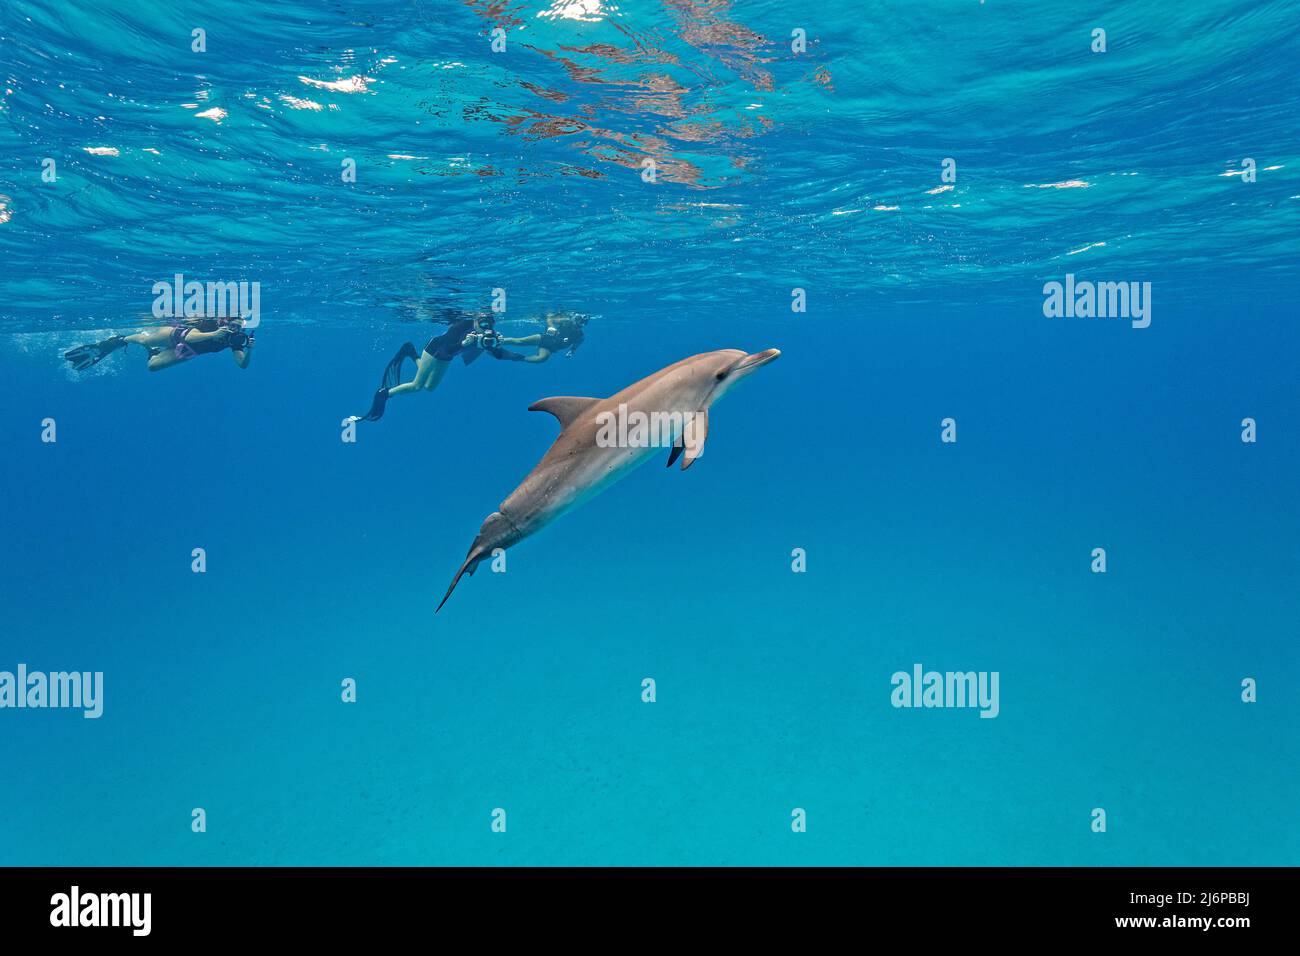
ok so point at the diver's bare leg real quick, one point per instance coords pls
(164, 359)
(428, 373)
(151, 338)
(435, 375)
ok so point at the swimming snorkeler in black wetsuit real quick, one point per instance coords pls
(562, 332)
(466, 338)
(170, 345)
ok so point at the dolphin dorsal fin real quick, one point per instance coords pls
(564, 407)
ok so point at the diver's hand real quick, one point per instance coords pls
(471, 339)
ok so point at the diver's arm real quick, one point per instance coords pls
(245, 355)
(507, 356)
(197, 336)
(537, 339)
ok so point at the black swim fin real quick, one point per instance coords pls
(84, 356)
(392, 378)
(376, 406)
(393, 371)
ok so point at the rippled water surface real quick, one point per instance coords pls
(523, 168)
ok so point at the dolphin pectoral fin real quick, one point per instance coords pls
(675, 453)
(699, 429)
(564, 407)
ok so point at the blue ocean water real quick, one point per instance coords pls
(821, 170)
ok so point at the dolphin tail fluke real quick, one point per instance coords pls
(497, 531)
(471, 562)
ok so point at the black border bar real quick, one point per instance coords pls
(207, 904)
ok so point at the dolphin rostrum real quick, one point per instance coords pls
(602, 439)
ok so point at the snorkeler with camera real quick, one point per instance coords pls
(562, 332)
(468, 338)
(170, 345)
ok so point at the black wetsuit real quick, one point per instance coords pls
(184, 349)
(447, 346)
(236, 340)
(553, 340)
(208, 346)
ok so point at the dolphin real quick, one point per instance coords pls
(600, 442)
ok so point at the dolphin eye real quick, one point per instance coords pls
(721, 375)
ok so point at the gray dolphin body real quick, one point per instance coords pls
(584, 461)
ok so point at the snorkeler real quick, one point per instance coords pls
(466, 338)
(171, 345)
(562, 332)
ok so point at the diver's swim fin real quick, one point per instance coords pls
(376, 407)
(391, 379)
(84, 356)
(393, 370)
